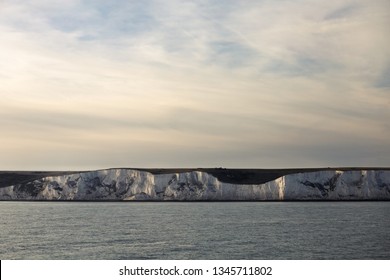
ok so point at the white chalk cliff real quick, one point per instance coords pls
(126, 184)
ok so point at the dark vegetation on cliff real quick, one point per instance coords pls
(8, 178)
(227, 175)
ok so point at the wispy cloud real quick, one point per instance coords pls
(194, 83)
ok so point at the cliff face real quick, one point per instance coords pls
(125, 184)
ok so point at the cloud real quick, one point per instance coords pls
(341, 12)
(383, 80)
(254, 83)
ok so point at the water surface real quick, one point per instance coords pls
(172, 230)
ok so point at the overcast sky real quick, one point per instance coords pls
(96, 84)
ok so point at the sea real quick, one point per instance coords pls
(194, 230)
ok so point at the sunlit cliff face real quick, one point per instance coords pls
(127, 184)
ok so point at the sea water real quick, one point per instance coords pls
(195, 230)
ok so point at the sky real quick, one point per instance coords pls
(246, 84)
